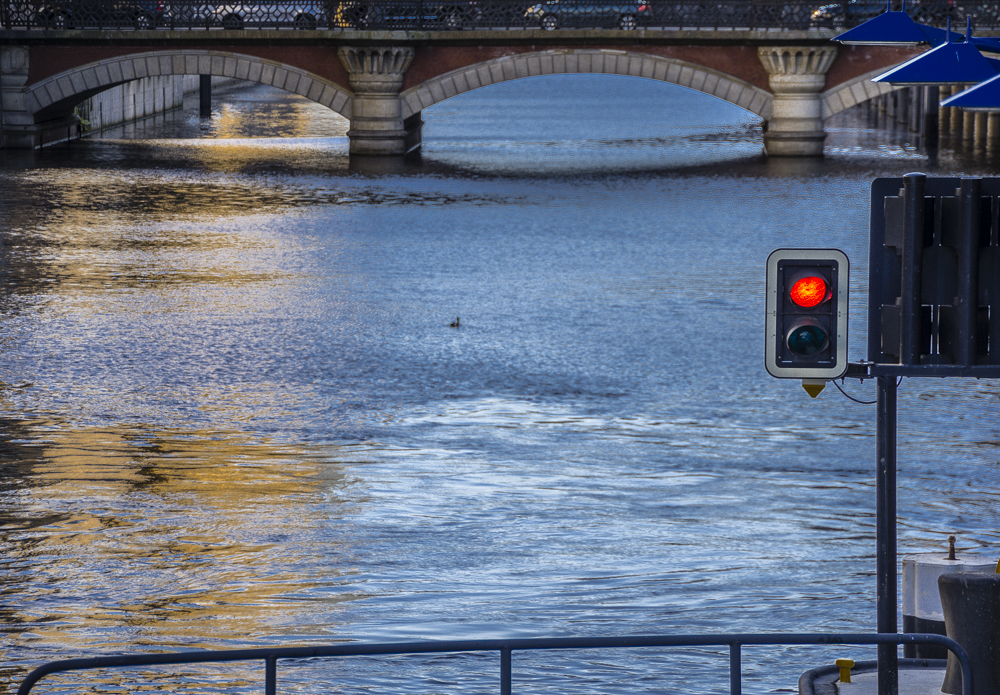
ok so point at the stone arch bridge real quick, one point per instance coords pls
(381, 80)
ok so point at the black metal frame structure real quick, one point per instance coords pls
(270, 656)
(934, 285)
(933, 311)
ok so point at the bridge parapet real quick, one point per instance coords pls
(462, 15)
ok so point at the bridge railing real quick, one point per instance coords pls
(271, 656)
(458, 15)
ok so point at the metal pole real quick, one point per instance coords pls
(911, 310)
(271, 675)
(967, 310)
(885, 534)
(505, 671)
(735, 669)
(205, 96)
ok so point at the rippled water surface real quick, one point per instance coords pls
(235, 413)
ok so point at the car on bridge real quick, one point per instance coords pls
(263, 15)
(553, 14)
(94, 14)
(408, 14)
(854, 12)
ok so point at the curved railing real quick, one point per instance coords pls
(270, 656)
(457, 15)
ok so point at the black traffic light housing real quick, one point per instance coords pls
(806, 331)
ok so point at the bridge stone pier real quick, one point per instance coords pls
(377, 124)
(381, 81)
(797, 75)
(19, 127)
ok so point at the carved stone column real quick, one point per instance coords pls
(797, 75)
(376, 76)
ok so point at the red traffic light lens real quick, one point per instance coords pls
(809, 291)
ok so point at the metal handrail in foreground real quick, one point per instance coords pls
(735, 642)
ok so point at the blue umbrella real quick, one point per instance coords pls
(948, 63)
(983, 97)
(891, 28)
(898, 29)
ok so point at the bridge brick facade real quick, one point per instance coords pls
(381, 81)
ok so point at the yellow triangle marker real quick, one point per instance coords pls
(814, 387)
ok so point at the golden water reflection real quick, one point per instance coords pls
(75, 195)
(171, 538)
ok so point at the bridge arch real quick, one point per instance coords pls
(56, 96)
(602, 61)
(853, 92)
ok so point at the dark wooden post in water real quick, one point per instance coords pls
(205, 96)
(903, 107)
(916, 106)
(930, 123)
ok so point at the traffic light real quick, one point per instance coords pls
(807, 315)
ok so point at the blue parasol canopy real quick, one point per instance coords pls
(948, 63)
(890, 28)
(983, 97)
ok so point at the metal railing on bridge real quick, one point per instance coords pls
(457, 15)
(271, 656)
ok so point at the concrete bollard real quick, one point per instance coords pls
(971, 603)
(922, 598)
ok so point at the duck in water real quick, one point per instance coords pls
(456, 323)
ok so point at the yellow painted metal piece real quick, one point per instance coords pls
(998, 566)
(814, 387)
(845, 666)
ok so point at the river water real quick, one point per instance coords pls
(235, 413)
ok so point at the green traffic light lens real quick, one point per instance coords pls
(807, 340)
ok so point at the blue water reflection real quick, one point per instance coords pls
(235, 412)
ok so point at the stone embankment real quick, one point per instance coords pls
(138, 99)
